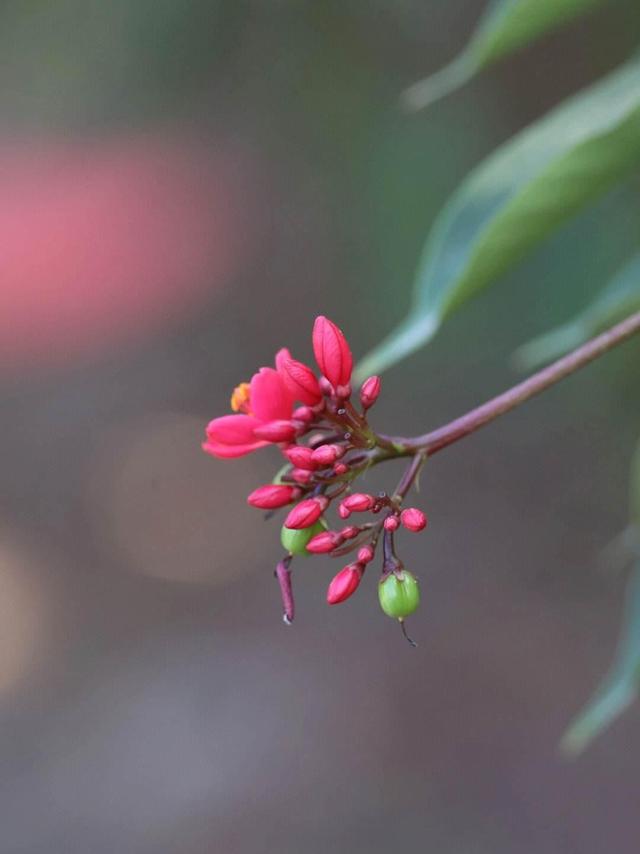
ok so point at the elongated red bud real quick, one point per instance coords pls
(350, 532)
(366, 554)
(344, 584)
(326, 455)
(370, 391)
(358, 502)
(273, 495)
(275, 431)
(302, 476)
(391, 523)
(343, 512)
(413, 519)
(301, 457)
(306, 513)
(325, 542)
(300, 381)
(332, 352)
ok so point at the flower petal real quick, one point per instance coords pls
(228, 452)
(232, 430)
(282, 354)
(270, 399)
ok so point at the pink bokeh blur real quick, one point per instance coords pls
(108, 240)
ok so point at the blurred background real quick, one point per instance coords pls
(185, 185)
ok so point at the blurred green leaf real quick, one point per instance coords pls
(506, 26)
(635, 490)
(524, 191)
(620, 686)
(618, 299)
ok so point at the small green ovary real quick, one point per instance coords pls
(399, 594)
(295, 542)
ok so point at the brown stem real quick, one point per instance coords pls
(436, 440)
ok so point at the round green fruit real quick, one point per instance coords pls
(399, 594)
(295, 542)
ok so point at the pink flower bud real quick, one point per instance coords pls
(413, 519)
(358, 502)
(343, 391)
(325, 542)
(326, 455)
(332, 352)
(343, 512)
(340, 468)
(350, 532)
(273, 495)
(325, 386)
(391, 523)
(304, 414)
(366, 554)
(301, 457)
(370, 391)
(299, 380)
(302, 476)
(306, 513)
(344, 584)
(275, 431)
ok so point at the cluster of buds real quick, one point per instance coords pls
(326, 442)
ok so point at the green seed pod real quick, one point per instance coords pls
(399, 594)
(295, 542)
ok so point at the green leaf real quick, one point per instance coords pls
(620, 686)
(524, 191)
(618, 299)
(506, 26)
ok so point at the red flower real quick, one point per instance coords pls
(266, 399)
(332, 352)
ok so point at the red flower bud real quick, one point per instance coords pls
(350, 532)
(343, 512)
(332, 352)
(275, 431)
(370, 391)
(299, 380)
(306, 513)
(413, 519)
(325, 542)
(326, 455)
(358, 502)
(391, 523)
(344, 584)
(302, 476)
(366, 554)
(340, 468)
(273, 495)
(301, 457)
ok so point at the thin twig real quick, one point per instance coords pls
(436, 440)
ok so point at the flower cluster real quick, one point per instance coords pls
(326, 442)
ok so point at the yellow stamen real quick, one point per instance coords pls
(240, 399)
